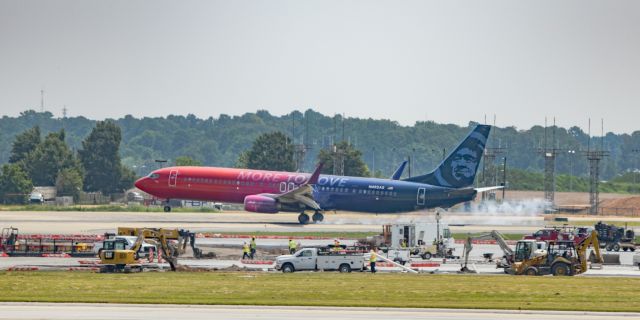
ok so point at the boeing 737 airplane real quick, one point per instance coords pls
(272, 191)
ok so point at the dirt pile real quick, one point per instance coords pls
(628, 202)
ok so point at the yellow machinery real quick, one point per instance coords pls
(115, 256)
(505, 262)
(563, 258)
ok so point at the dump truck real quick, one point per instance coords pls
(346, 259)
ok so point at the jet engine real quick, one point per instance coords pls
(260, 204)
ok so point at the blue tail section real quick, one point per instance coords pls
(396, 175)
(459, 169)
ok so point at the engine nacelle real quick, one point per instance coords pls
(260, 204)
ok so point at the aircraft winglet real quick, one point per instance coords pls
(398, 173)
(316, 174)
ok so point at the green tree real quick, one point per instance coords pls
(185, 161)
(352, 157)
(48, 159)
(127, 178)
(24, 144)
(100, 158)
(15, 185)
(270, 151)
(69, 183)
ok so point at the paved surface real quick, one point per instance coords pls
(99, 222)
(123, 312)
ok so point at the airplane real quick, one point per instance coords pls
(272, 191)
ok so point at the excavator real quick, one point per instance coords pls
(493, 235)
(115, 257)
(563, 258)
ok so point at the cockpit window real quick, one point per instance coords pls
(154, 176)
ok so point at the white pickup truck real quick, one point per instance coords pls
(321, 259)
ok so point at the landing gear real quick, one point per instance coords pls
(318, 217)
(167, 209)
(303, 218)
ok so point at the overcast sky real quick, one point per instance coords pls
(447, 61)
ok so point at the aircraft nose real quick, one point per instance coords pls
(140, 183)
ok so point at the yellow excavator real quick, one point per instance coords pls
(563, 258)
(116, 257)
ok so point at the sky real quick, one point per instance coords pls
(408, 61)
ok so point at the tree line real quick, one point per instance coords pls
(383, 144)
(35, 160)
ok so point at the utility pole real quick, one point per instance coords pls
(504, 176)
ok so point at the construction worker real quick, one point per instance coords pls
(253, 247)
(372, 259)
(292, 246)
(403, 243)
(245, 251)
(336, 245)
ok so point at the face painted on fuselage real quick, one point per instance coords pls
(463, 164)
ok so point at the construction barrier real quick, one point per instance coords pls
(424, 264)
(89, 262)
(56, 255)
(247, 236)
(23, 269)
(83, 269)
(257, 261)
(463, 241)
(611, 259)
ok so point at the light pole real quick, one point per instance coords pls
(504, 176)
(635, 170)
(374, 161)
(571, 153)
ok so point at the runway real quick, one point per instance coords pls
(67, 311)
(85, 222)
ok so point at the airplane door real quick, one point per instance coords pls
(173, 178)
(421, 196)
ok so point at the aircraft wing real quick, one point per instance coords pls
(304, 193)
(485, 189)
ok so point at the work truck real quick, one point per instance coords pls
(343, 259)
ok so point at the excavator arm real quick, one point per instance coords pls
(493, 235)
(581, 249)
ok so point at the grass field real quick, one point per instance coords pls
(327, 289)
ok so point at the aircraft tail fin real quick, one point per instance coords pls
(459, 169)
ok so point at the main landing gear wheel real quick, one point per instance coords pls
(303, 218)
(167, 209)
(318, 217)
